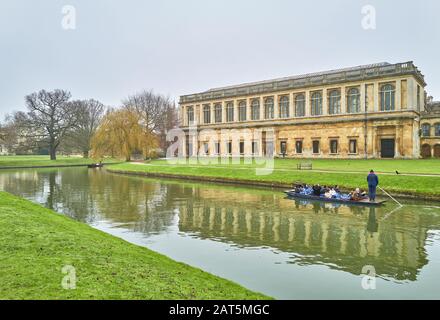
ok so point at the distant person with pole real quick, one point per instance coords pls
(373, 182)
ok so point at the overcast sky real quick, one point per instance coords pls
(181, 47)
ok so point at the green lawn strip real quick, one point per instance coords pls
(42, 161)
(415, 185)
(420, 166)
(36, 243)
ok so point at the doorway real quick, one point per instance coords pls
(387, 148)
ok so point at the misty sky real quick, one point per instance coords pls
(181, 47)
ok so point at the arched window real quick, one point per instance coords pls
(284, 107)
(268, 108)
(387, 97)
(437, 129)
(334, 102)
(206, 113)
(242, 111)
(255, 109)
(190, 115)
(218, 112)
(229, 112)
(316, 104)
(353, 101)
(300, 106)
(426, 130)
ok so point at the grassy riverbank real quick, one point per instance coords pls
(36, 243)
(419, 178)
(44, 161)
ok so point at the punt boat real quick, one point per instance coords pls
(363, 202)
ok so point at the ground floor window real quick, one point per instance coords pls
(333, 146)
(299, 146)
(254, 147)
(283, 147)
(205, 148)
(217, 148)
(315, 145)
(241, 147)
(353, 146)
(229, 147)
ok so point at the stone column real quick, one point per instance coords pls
(376, 97)
(398, 95)
(324, 102)
(200, 115)
(291, 106)
(276, 113)
(212, 108)
(235, 111)
(223, 111)
(261, 108)
(343, 100)
(362, 97)
(307, 104)
(248, 109)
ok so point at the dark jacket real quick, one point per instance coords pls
(373, 180)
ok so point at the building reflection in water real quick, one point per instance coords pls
(341, 237)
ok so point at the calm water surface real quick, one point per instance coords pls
(284, 248)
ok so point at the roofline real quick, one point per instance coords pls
(364, 72)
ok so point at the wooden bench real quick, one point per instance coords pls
(304, 166)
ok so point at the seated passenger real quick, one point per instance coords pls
(317, 190)
(356, 195)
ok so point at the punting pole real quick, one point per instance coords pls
(390, 196)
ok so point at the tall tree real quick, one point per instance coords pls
(49, 118)
(157, 113)
(90, 113)
(121, 134)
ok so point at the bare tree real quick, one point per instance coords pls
(90, 113)
(157, 112)
(49, 118)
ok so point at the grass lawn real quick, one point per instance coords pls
(33, 161)
(36, 243)
(351, 173)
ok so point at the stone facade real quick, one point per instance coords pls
(368, 111)
(430, 130)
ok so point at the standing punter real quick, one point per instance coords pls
(373, 181)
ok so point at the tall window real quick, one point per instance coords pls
(316, 104)
(283, 147)
(352, 146)
(437, 129)
(207, 113)
(255, 109)
(218, 112)
(190, 115)
(229, 112)
(300, 106)
(387, 98)
(426, 130)
(315, 144)
(254, 147)
(353, 101)
(334, 102)
(284, 107)
(242, 111)
(241, 147)
(268, 108)
(299, 146)
(334, 146)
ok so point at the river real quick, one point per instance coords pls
(255, 237)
